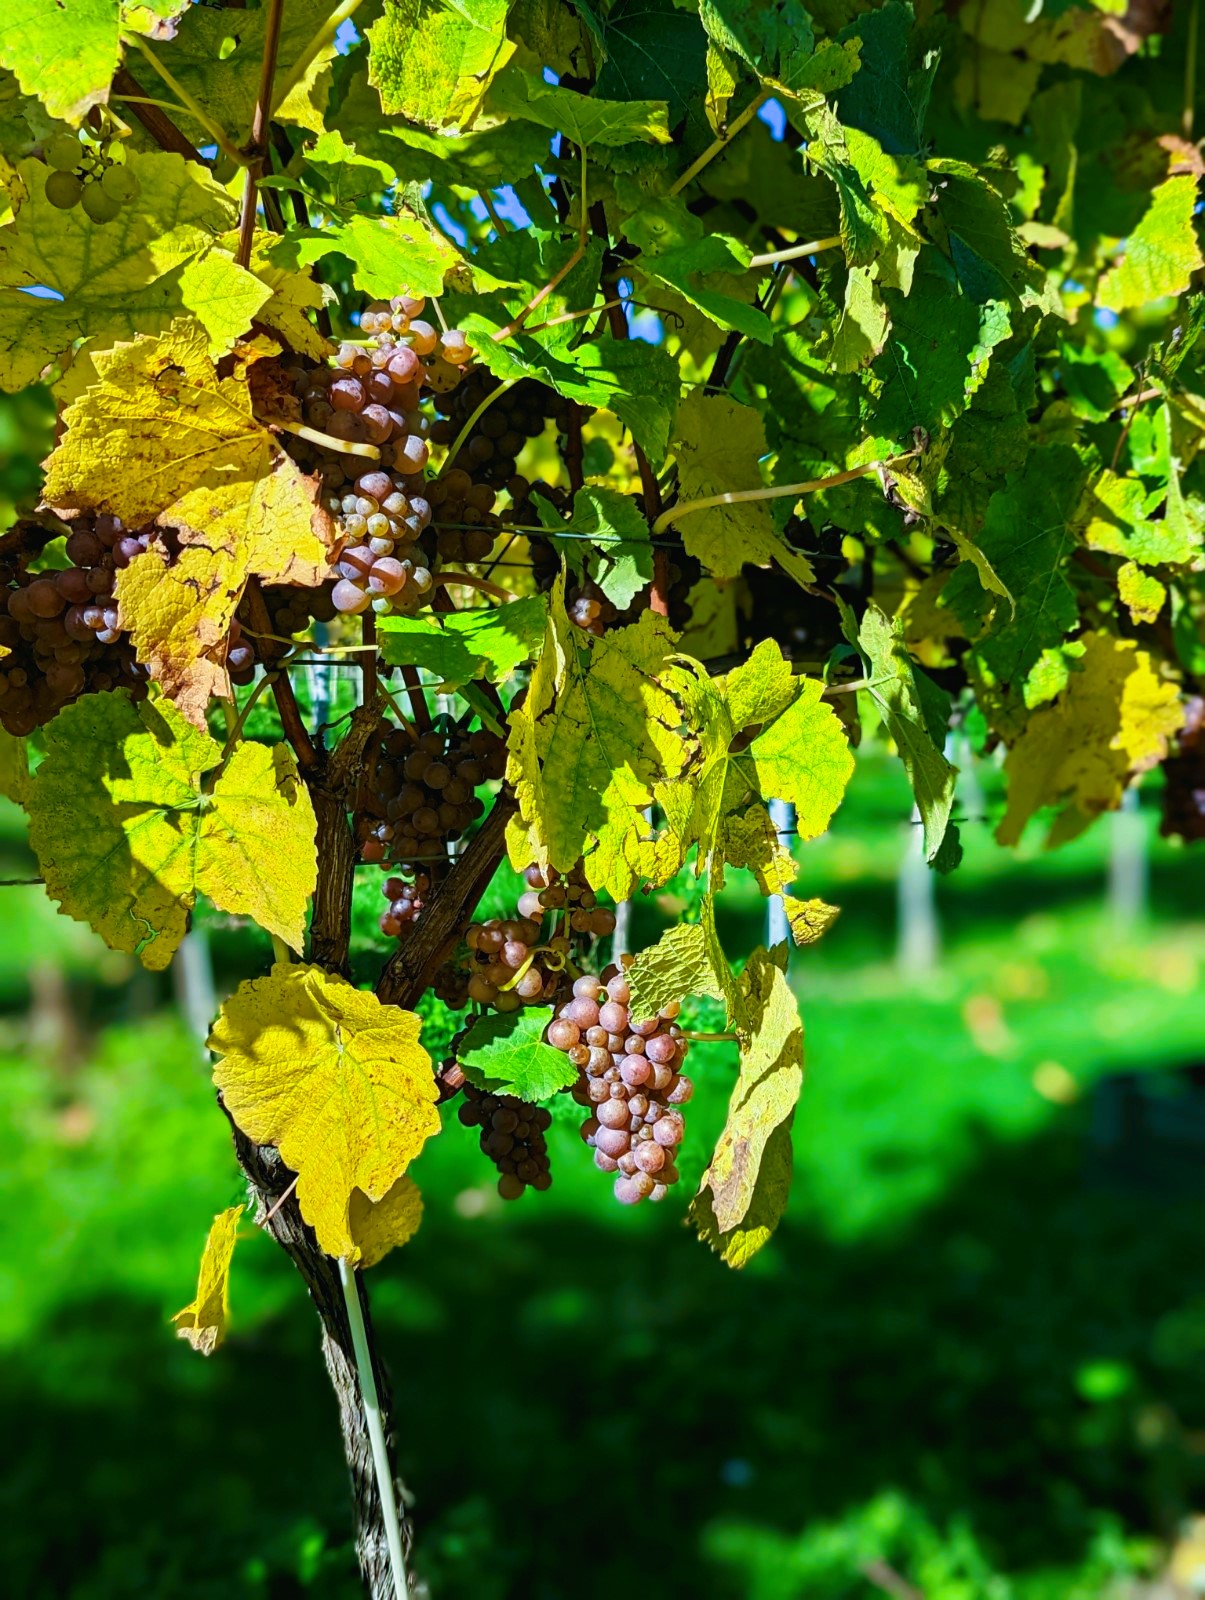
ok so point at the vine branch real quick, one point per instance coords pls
(257, 144)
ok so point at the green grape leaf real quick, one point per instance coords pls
(684, 268)
(636, 381)
(127, 833)
(597, 731)
(794, 749)
(63, 51)
(925, 381)
(433, 60)
(905, 700)
(1112, 721)
(388, 253)
(217, 58)
(1027, 540)
(1161, 254)
(506, 1054)
(1115, 515)
(884, 98)
(587, 120)
(460, 646)
(719, 444)
(654, 51)
(15, 776)
(624, 560)
(681, 963)
(160, 258)
(743, 1193)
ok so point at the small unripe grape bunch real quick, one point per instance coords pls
(512, 1136)
(571, 900)
(631, 1082)
(83, 173)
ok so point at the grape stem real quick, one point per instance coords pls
(470, 581)
(491, 211)
(165, 133)
(368, 666)
(458, 442)
(281, 1201)
(347, 447)
(540, 296)
(709, 1038)
(257, 143)
(187, 103)
(320, 40)
(795, 251)
(376, 1429)
(687, 508)
(718, 146)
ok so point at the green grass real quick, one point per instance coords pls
(963, 1354)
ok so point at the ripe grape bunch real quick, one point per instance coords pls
(512, 1136)
(420, 795)
(631, 1080)
(290, 612)
(61, 628)
(372, 395)
(83, 173)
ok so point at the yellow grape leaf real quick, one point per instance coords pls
(744, 1190)
(159, 259)
(597, 731)
(680, 963)
(338, 1083)
(160, 433)
(377, 1227)
(1141, 592)
(809, 920)
(291, 296)
(127, 833)
(1112, 721)
(203, 1321)
(718, 445)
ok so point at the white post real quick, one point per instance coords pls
(1129, 873)
(778, 930)
(919, 940)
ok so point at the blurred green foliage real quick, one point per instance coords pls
(965, 1360)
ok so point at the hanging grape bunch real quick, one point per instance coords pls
(490, 452)
(631, 1081)
(417, 801)
(291, 610)
(512, 1136)
(62, 629)
(372, 396)
(84, 173)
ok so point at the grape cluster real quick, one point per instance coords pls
(373, 395)
(512, 1136)
(83, 173)
(406, 898)
(509, 968)
(490, 452)
(290, 612)
(420, 793)
(465, 522)
(62, 630)
(631, 1081)
(568, 896)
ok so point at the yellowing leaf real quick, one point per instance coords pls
(1111, 722)
(744, 1190)
(679, 964)
(1142, 593)
(434, 60)
(127, 835)
(159, 259)
(809, 920)
(63, 51)
(1160, 255)
(719, 444)
(161, 433)
(203, 1321)
(337, 1082)
(15, 776)
(377, 1227)
(598, 729)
